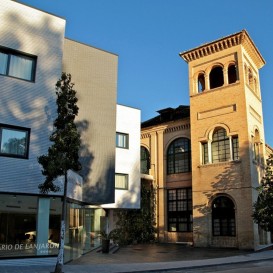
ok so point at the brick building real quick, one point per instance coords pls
(206, 160)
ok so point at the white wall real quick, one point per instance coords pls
(128, 160)
(29, 104)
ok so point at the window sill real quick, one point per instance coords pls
(233, 162)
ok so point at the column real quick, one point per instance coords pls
(42, 226)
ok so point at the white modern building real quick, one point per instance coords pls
(33, 54)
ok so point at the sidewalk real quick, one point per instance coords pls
(143, 258)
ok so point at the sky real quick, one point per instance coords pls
(148, 36)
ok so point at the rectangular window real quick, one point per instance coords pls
(17, 65)
(14, 141)
(122, 140)
(180, 210)
(121, 181)
(235, 148)
(205, 156)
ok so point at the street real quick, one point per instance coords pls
(251, 267)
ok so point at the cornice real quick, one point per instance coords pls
(240, 38)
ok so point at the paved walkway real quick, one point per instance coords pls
(148, 258)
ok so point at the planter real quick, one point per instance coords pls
(105, 245)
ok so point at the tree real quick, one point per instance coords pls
(137, 225)
(63, 154)
(263, 207)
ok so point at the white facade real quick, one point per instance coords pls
(29, 104)
(128, 159)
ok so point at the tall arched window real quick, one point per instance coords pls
(201, 82)
(145, 160)
(220, 146)
(223, 217)
(216, 77)
(257, 142)
(232, 74)
(179, 156)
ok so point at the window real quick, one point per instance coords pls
(216, 77)
(232, 74)
(17, 65)
(14, 141)
(122, 140)
(201, 83)
(179, 156)
(145, 160)
(221, 148)
(180, 210)
(205, 155)
(121, 181)
(223, 217)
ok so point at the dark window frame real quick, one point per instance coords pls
(223, 217)
(179, 209)
(127, 181)
(126, 146)
(144, 160)
(15, 128)
(179, 162)
(11, 52)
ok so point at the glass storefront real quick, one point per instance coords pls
(30, 226)
(20, 234)
(82, 230)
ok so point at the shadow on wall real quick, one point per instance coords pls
(30, 104)
(230, 180)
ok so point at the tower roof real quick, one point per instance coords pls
(239, 38)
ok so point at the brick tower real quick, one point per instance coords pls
(227, 139)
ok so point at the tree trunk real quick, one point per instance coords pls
(60, 259)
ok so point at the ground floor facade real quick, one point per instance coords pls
(30, 226)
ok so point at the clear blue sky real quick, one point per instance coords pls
(149, 34)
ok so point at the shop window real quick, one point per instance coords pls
(223, 217)
(145, 160)
(179, 156)
(201, 82)
(180, 210)
(14, 141)
(17, 65)
(232, 74)
(216, 77)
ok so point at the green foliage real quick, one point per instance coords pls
(263, 207)
(137, 225)
(63, 154)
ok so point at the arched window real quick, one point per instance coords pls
(201, 82)
(179, 156)
(218, 149)
(216, 77)
(232, 74)
(220, 146)
(145, 160)
(257, 142)
(250, 79)
(223, 217)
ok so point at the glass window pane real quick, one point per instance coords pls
(121, 181)
(122, 140)
(3, 63)
(13, 142)
(178, 160)
(21, 67)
